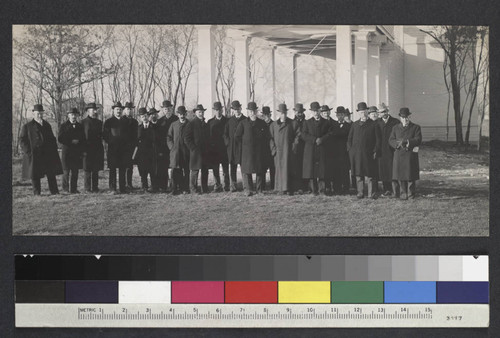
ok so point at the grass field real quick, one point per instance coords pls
(452, 200)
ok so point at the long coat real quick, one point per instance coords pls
(196, 137)
(232, 144)
(216, 148)
(363, 143)
(340, 132)
(298, 149)
(133, 126)
(71, 156)
(283, 136)
(147, 149)
(329, 158)
(405, 166)
(116, 133)
(254, 137)
(387, 152)
(179, 152)
(163, 125)
(268, 157)
(93, 158)
(314, 165)
(40, 156)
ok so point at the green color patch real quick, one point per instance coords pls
(358, 292)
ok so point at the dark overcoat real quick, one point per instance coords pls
(298, 149)
(363, 143)
(254, 138)
(116, 133)
(163, 125)
(405, 165)
(133, 126)
(340, 132)
(387, 152)
(179, 152)
(147, 149)
(40, 156)
(283, 136)
(196, 137)
(216, 148)
(233, 146)
(329, 158)
(71, 155)
(314, 165)
(93, 158)
(268, 157)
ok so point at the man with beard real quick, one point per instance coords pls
(300, 184)
(232, 144)
(179, 153)
(93, 157)
(147, 150)
(341, 127)
(385, 161)
(363, 144)
(268, 158)
(127, 115)
(72, 138)
(164, 123)
(217, 152)
(196, 138)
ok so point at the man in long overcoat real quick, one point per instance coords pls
(233, 146)
(340, 132)
(253, 134)
(284, 133)
(164, 122)
(315, 133)
(40, 156)
(93, 157)
(179, 153)
(268, 158)
(196, 138)
(363, 144)
(329, 144)
(385, 161)
(116, 133)
(147, 150)
(405, 138)
(300, 184)
(128, 116)
(72, 138)
(217, 152)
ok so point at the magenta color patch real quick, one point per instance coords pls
(197, 292)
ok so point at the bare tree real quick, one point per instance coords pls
(224, 67)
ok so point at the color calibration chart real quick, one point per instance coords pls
(251, 291)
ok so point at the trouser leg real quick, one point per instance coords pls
(395, 188)
(95, 181)
(372, 186)
(51, 179)
(155, 181)
(144, 181)
(225, 171)
(272, 178)
(112, 178)
(74, 180)
(322, 186)
(128, 176)
(387, 186)
(233, 168)
(215, 172)
(87, 178)
(360, 182)
(403, 189)
(313, 185)
(176, 175)
(65, 180)
(411, 189)
(204, 179)
(121, 179)
(37, 186)
(247, 182)
(260, 178)
(193, 182)
(185, 178)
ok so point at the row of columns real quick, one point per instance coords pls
(366, 85)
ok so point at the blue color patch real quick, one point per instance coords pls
(92, 292)
(410, 292)
(463, 292)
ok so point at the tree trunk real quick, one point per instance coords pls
(456, 99)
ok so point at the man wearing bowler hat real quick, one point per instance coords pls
(196, 138)
(179, 153)
(363, 144)
(147, 150)
(386, 122)
(93, 157)
(164, 123)
(232, 144)
(40, 156)
(72, 138)
(127, 115)
(268, 158)
(216, 148)
(300, 184)
(405, 138)
(329, 158)
(341, 127)
(253, 134)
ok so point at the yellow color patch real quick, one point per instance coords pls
(304, 292)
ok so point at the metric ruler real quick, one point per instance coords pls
(252, 315)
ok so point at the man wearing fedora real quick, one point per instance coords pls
(116, 133)
(72, 138)
(127, 115)
(329, 158)
(93, 157)
(315, 134)
(341, 128)
(405, 138)
(284, 133)
(196, 138)
(386, 122)
(300, 184)
(217, 152)
(232, 144)
(363, 145)
(164, 123)
(40, 156)
(147, 150)
(253, 134)
(268, 158)
(179, 153)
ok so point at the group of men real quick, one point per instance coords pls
(319, 155)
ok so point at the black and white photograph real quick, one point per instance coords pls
(250, 130)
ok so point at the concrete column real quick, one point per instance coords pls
(273, 69)
(384, 77)
(206, 65)
(241, 69)
(343, 53)
(373, 74)
(361, 70)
